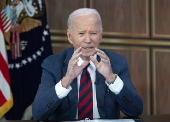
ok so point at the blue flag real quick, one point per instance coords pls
(34, 45)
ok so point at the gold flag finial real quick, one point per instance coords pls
(2, 4)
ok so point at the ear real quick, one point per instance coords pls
(69, 36)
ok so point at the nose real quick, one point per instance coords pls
(87, 38)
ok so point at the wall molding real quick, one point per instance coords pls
(141, 42)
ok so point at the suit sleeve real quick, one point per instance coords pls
(129, 101)
(46, 100)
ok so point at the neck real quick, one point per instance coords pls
(85, 58)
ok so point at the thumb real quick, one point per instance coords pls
(84, 64)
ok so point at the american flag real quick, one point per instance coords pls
(6, 100)
(7, 16)
(9, 19)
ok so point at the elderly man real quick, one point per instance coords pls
(84, 81)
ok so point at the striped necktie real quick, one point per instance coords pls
(85, 106)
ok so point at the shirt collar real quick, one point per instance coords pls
(79, 63)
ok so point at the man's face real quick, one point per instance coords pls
(86, 33)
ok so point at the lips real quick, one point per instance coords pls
(87, 48)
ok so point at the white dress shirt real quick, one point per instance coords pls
(116, 87)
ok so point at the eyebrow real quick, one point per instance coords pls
(90, 31)
(80, 31)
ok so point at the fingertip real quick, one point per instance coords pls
(91, 57)
(98, 53)
(78, 50)
(87, 62)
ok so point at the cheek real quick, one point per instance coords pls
(97, 41)
(98, 37)
(79, 41)
(76, 44)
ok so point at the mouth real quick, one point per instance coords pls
(87, 48)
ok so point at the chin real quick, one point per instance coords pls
(88, 54)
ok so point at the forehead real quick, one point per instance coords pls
(84, 21)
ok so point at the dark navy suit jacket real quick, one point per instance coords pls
(47, 105)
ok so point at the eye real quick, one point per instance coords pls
(93, 33)
(81, 34)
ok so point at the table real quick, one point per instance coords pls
(150, 118)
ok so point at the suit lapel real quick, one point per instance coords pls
(68, 56)
(73, 94)
(100, 92)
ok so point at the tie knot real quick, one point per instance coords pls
(85, 68)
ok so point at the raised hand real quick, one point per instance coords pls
(104, 66)
(73, 69)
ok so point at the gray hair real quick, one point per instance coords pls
(80, 12)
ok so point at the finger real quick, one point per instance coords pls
(76, 53)
(84, 64)
(77, 50)
(100, 51)
(107, 62)
(76, 56)
(93, 59)
(74, 62)
(102, 56)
